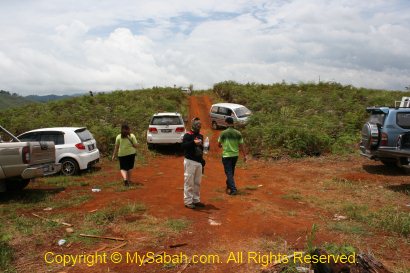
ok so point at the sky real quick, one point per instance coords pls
(66, 47)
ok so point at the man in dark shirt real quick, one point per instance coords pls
(192, 144)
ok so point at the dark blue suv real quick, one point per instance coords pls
(385, 135)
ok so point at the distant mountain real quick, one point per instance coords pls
(47, 98)
(8, 100)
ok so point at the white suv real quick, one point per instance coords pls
(76, 148)
(165, 128)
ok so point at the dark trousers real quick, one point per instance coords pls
(229, 167)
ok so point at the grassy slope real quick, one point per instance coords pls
(102, 114)
(304, 119)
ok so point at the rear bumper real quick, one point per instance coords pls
(40, 171)
(159, 140)
(87, 159)
(384, 152)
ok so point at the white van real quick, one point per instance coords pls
(220, 111)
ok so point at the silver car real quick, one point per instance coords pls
(220, 111)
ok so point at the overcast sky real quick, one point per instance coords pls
(63, 47)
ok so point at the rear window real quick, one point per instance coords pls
(403, 120)
(377, 118)
(166, 120)
(84, 134)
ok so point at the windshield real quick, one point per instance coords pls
(242, 112)
(166, 120)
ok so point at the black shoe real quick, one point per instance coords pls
(199, 205)
(126, 183)
(233, 193)
(190, 206)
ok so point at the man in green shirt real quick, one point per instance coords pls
(231, 142)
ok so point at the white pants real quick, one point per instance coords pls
(192, 181)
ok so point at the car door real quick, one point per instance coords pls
(223, 113)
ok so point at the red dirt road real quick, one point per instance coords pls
(259, 219)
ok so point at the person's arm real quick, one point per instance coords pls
(187, 141)
(115, 153)
(134, 141)
(243, 151)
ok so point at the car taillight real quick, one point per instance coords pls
(26, 155)
(179, 130)
(383, 139)
(153, 130)
(80, 146)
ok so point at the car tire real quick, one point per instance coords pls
(16, 184)
(69, 166)
(215, 125)
(371, 136)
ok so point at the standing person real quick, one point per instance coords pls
(125, 149)
(192, 144)
(231, 142)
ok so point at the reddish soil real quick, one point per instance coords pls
(257, 216)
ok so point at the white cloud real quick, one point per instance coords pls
(55, 46)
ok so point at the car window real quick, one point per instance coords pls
(166, 120)
(223, 111)
(377, 118)
(214, 109)
(28, 137)
(242, 112)
(57, 138)
(403, 120)
(84, 134)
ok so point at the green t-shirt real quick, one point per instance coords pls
(125, 146)
(230, 140)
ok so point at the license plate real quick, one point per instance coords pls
(91, 147)
(166, 130)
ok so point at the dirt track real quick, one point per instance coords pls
(251, 221)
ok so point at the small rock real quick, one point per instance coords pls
(69, 230)
(61, 242)
(48, 209)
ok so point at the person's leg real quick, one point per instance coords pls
(233, 164)
(227, 162)
(197, 184)
(188, 183)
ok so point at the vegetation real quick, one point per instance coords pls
(102, 114)
(8, 100)
(304, 119)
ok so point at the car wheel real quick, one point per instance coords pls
(370, 136)
(69, 166)
(16, 184)
(215, 125)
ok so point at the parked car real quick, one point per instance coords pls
(22, 161)
(220, 111)
(76, 148)
(165, 128)
(385, 134)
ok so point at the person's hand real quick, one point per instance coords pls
(198, 141)
(113, 157)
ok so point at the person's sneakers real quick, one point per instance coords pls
(190, 206)
(233, 193)
(199, 205)
(126, 183)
